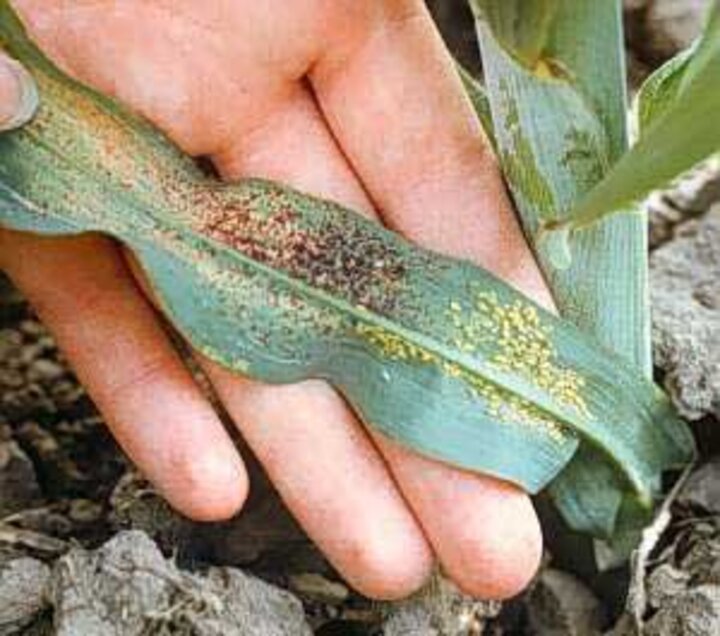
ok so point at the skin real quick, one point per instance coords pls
(354, 101)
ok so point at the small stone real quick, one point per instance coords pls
(127, 587)
(666, 583)
(10, 341)
(440, 609)
(561, 605)
(410, 621)
(690, 197)
(45, 370)
(702, 489)
(670, 26)
(46, 520)
(84, 511)
(32, 328)
(686, 332)
(43, 443)
(23, 593)
(634, 5)
(702, 558)
(693, 613)
(19, 488)
(11, 379)
(316, 587)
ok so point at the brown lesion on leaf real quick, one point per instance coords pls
(332, 253)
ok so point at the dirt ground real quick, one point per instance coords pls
(88, 548)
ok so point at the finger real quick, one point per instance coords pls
(433, 176)
(315, 451)
(332, 479)
(18, 94)
(83, 292)
(485, 531)
(435, 180)
(293, 146)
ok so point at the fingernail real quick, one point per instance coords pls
(21, 92)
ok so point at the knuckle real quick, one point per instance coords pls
(402, 14)
(92, 303)
(350, 26)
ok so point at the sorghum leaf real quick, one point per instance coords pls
(434, 352)
(686, 133)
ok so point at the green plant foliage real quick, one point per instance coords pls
(660, 90)
(281, 286)
(523, 28)
(679, 109)
(479, 99)
(560, 124)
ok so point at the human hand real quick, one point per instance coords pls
(357, 102)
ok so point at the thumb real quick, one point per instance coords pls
(18, 94)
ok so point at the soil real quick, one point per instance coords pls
(88, 548)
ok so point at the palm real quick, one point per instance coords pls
(354, 101)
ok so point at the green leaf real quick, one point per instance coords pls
(661, 90)
(684, 134)
(522, 27)
(558, 132)
(479, 99)
(281, 286)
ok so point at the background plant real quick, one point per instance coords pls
(555, 79)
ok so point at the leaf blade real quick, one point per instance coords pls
(481, 377)
(683, 136)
